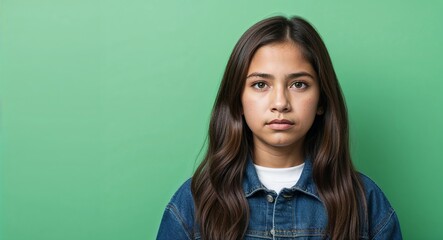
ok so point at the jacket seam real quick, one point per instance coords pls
(174, 211)
(384, 224)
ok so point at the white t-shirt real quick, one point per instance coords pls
(278, 178)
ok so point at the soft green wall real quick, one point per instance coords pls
(104, 105)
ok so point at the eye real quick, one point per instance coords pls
(299, 85)
(259, 85)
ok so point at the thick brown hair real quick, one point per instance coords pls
(221, 207)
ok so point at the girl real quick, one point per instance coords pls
(278, 164)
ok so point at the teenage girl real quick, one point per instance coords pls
(278, 164)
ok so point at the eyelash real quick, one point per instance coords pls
(305, 85)
(255, 85)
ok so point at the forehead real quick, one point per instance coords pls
(284, 56)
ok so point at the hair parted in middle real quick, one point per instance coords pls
(221, 207)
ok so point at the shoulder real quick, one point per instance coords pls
(178, 217)
(182, 202)
(374, 195)
(382, 219)
(183, 193)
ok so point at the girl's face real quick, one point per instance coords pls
(281, 95)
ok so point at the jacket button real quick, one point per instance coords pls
(269, 198)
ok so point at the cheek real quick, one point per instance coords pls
(252, 112)
(310, 107)
(251, 105)
(313, 104)
(249, 108)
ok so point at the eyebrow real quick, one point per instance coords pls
(289, 76)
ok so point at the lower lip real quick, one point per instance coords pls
(280, 126)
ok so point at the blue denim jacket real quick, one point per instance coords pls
(295, 213)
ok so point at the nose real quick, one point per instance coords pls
(280, 100)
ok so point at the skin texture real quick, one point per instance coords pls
(280, 84)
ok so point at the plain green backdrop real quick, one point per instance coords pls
(104, 105)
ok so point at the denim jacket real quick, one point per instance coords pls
(295, 213)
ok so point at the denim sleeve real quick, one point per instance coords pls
(390, 229)
(383, 221)
(178, 219)
(172, 226)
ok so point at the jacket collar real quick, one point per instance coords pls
(251, 183)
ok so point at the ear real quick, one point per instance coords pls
(320, 111)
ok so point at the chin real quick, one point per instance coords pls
(282, 143)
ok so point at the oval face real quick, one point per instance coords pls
(280, 99)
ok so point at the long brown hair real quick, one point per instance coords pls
(221, 207)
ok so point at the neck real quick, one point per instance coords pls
(278, 157)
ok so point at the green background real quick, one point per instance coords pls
(104, 105)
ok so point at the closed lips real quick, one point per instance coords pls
(281, 121)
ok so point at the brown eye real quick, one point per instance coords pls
(259, 85)
(299, 85)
